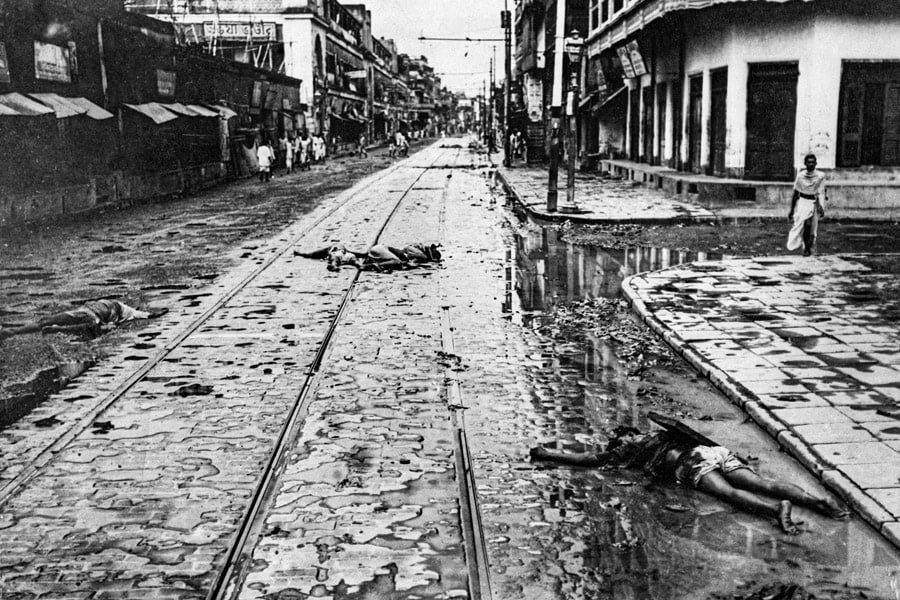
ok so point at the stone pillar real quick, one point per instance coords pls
(736, 117)
(706, 110)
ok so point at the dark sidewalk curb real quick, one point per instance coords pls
(835, 481)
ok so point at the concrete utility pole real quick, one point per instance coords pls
(506, 21)
(556, 104)
(491, 145)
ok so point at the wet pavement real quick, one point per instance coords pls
(406, 474)
(599, 199)
(809, 348)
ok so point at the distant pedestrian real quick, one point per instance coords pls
(289, 150)
(318, 148)
(807, 207)
(283, 142)
(392, 146)
(265, 157)
(361, 146)
(402, 144)
(304, 147)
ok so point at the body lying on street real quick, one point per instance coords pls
(92, 317)
(379, 257)
(670, 454)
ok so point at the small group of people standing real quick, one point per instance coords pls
(297, 151)
(517, 148)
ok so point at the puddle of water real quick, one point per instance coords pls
(550, 271)
(579, 390)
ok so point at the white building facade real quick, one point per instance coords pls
(745, 89)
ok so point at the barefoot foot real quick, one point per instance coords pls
(784, 519)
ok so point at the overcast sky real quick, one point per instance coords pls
(462, 66)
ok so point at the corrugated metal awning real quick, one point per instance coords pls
(154, 111)
(23, 106)
(91, 110)
(61, 106)
(609, 98)
(202, 111)
(179, 109)
(224, 111)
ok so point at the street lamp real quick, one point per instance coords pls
(574, 44)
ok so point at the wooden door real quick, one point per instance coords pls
(647, 125)
(662, 135)
(635, 124)
(717, 121)
(677, 125)
(771, 121)
(695, 123)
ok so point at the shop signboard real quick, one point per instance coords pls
(534, 93)
(256, 96)
(637, 61)
(355, 74)
(626, 62)
(165, 83)
(225, 30)
(601, 78)
(4, 65)
(51, 63)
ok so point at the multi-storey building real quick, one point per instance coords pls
(424, 88)
(344, 71)
(743, 90)
(535, 35)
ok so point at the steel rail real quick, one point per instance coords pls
(53, 449)
(230, 577)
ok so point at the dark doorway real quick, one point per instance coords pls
(677, 125)
(634, 125)
(771, 118)
(662, 141)
(717, 122)
(695, 123)
(647, 125)
(869, 131)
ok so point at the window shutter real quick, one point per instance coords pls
(890, 151)
(852, 125)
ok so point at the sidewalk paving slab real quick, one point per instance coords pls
(599, 200)
(808, 371)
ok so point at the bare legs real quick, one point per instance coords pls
(747, 490)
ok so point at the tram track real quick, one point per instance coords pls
(226, 583)
(45, 456)
(230, 557)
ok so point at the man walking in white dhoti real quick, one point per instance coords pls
(807, 207)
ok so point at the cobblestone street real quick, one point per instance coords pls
(293, 432)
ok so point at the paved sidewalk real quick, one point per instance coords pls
(809, 348)
(599, 200)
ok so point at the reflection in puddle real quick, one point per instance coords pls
(549, 271)
(619, 534)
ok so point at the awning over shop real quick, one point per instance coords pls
(223, 111)
(23, 106)
(91, 110)
(61, 106)
(587, 99)
(153, 111)
(611, 97)
(202, 111)
(179, 109)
